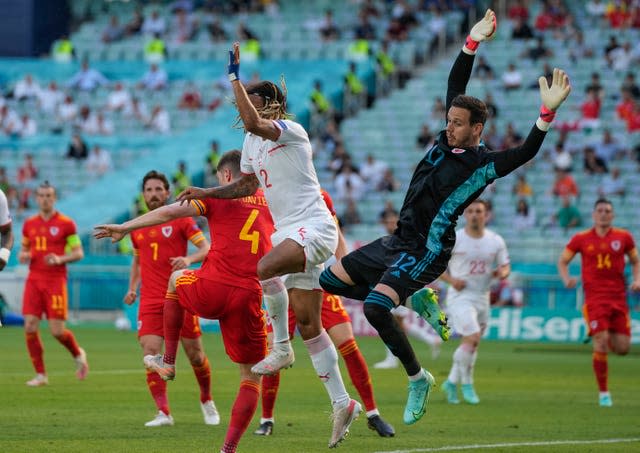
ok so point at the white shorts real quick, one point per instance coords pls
(319, 240)
(467, 318)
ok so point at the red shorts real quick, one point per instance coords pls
(46, 297)
(151, 321)
(239, 311)
(333, 313)
(607, 313)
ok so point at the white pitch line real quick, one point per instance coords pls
(516, 444)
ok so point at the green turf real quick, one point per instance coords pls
(529, 393)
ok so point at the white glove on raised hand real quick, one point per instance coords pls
(553, 96)
(485, 28)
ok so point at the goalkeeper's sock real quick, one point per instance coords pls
(69, 341)
(158, 389)
(173, 315)
(270, 386)
(203, 376)
(36, 351)
(241, 414)
(601, 370)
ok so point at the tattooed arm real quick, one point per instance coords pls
(244, 186)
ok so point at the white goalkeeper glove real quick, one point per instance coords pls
(553, 95)
(483, 30)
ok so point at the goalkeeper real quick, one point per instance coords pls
(453, 172)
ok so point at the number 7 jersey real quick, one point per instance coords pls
(240, 231)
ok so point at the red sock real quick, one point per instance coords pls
(241, 414)
(69, 341)
(203, 375)
(173, 315)
(36, 352)
(358, 372)
(158, 389)
(601, 369)
(270, 386)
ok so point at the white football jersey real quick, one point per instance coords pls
(5, 216)
(474, 260)
(286, 173)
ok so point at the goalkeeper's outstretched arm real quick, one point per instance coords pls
(552, 98)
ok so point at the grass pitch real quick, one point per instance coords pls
(533, 397)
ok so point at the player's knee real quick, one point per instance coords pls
(331, 283)
(172, 280)
(377, 315)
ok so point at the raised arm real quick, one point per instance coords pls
(462, 67)
(244, 186)
(552, 98)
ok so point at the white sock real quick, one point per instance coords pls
(420, 375)
(463, 359)
(264, 420)
(325, 360)
(277, 302)
(454, 373)
(372, 412)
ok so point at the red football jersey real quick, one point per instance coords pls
(43, 237)
(603, 259)
(241, 232)
(155, 245)
(329, 202)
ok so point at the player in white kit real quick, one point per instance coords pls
(6, 235)
(478, 256)
(276, 155)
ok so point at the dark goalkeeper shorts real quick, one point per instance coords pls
(391, 262)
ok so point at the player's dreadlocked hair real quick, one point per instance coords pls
(274, 99)
(477, 109)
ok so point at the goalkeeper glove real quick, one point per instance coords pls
(482, 31)
(553, 95)
(234, 64)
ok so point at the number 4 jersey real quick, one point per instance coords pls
(603, 260)
(243, 229)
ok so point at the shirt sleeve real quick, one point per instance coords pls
(5, 215)
(502, 257)
(575, 243)
(630, 243)
(192, 232)
(245, 159)
(290, 132)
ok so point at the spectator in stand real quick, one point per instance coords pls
(539, 50)
(190, 98)
(87, 79)
(438, 108)
(160, 120)
(424, 138)
(84, 119)
(595, 85)
(27, 127)
(565, 185)
(99, 161)
(364, 29)
(561, 158)
(396, 31)
(118, 99)
(626, 105)
(518, 10)
(525, 217)
(154, 24)
(211, 164)
(155, 50)
(372, 171)
(546, 19)
(629, 83)
(611, 45)
(620, 58)
(50, 98)
(26, 88)
(180, 178)
(633, 120)
(9, 120)
(350, 216)
(217, 31)
(437, 27)
(389, 182)
(609, 149)
(67, 110)
(521, 30)
(134, 26)
(618, 14)
(77, 148)
(568, 216)
(492, 108)
(114, 31)
(522, 188)
(349, 184)
(329, 31)
(511, 138)
(596, 10)
(98, 125)
(483, 70)
(590, 110)
(62, 50)
(184, 28)
(511, 78)
(491, 137)
(593, 165)
(578, 49)
(154, 79)
(4, 180)
(612, 185)
(27, 171)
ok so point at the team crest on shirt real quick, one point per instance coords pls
(166, 231)
(615, 245)
(458, 150)
(54, 230)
